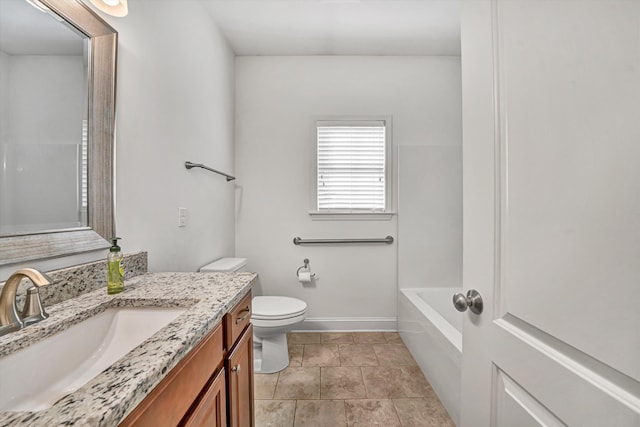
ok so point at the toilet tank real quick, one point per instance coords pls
(226, 265)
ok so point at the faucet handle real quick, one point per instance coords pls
(33, 310)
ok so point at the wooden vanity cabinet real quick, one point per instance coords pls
(212, 385)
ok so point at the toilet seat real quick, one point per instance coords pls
(277, 308)
(272, 324)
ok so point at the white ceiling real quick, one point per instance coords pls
(339, 27)
(279, 27)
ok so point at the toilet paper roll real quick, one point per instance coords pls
(304, 277)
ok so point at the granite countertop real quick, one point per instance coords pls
(110, 396)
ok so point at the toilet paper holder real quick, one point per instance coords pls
(306, 267)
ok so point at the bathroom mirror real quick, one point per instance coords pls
(57, 72)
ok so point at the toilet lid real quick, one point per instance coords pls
(270, 307)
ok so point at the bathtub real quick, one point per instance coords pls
(432, 330)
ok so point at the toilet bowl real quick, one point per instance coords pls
(272, 317)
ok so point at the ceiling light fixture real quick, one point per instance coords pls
(117, 8)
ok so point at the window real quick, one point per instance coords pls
(352, 166)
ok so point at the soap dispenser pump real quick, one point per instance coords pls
(115, 272)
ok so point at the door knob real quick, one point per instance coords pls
(473, 301)
(236, 369)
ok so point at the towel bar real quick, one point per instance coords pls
(190, 165)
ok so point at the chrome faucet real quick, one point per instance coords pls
(33, 312)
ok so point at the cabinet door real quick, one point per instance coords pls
(211, 411)
(239, 365)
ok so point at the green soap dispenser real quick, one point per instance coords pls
(115, 272)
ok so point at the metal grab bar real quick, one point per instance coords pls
(299, 241)
(190, 165)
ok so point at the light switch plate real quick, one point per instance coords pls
(182, 217)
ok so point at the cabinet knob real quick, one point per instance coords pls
(236, 369)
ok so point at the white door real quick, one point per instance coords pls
(551, 113)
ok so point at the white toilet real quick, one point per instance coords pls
(272, 318)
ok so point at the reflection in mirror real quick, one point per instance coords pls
(43, 117)
(57, 112)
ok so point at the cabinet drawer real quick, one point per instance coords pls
(237, 320)
(168, 403)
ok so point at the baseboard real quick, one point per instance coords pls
(348, 324)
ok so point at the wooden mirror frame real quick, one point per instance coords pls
(103, 42)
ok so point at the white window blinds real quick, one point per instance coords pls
(351, 166)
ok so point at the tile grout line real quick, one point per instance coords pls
(344, 407)
(366, 390)
(375, 353)
(273, 395)
(395, 410)
(320, 384)
(295, 410)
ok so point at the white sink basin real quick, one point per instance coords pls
(36, 377)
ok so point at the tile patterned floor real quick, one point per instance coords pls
(348, 379)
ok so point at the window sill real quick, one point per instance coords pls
(351, 216)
